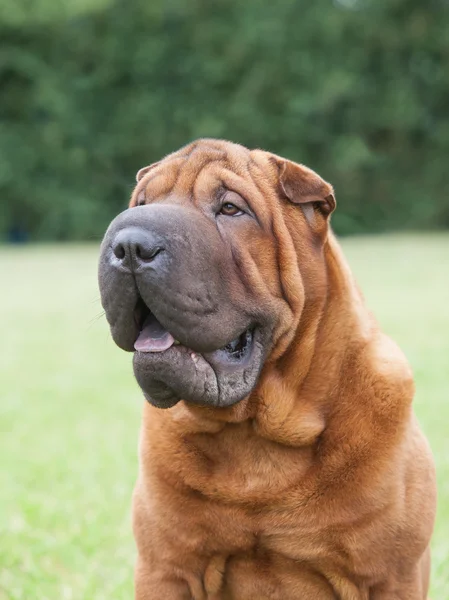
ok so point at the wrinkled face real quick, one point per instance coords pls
(199, 277)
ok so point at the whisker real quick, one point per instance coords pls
(96, 319)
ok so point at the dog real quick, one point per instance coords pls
(280, 458)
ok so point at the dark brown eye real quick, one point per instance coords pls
(230, 210)
(141, 199)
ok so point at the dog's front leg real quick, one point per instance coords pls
(155, 584)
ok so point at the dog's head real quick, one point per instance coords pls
(205, 276)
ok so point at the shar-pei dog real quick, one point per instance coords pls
(280, 458)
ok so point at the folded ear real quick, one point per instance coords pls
(303, 186)
(144, 170)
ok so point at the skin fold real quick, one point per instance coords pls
(301, 473)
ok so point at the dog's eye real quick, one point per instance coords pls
(230, 210)
(140, 201)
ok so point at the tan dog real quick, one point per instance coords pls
(288, 463)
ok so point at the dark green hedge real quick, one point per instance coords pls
(91, 90)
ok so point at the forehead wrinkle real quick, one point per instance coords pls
(164, 179)
(239, 158)
(201, 144)
(144, 184)
(264, 187)
(178, 171)
(210, 149)
(186, 151)
(191, 168)
(202, 183)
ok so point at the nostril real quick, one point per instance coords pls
(147, 253)
(120, 251)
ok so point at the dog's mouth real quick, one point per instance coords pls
(154, 338)
(172, 362)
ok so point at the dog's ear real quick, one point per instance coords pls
(303, 186)
(144, 170)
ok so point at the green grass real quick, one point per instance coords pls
(70, 410)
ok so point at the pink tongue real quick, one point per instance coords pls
(153, 337)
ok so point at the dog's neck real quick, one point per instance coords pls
(302, 387)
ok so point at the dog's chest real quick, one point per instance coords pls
(282, 543)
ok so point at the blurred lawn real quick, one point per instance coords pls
(70, 410)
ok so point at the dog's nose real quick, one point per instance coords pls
(134, 247)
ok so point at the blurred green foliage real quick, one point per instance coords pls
(91, 90)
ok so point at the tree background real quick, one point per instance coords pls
(91, 90)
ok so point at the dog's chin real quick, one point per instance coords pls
(218, 378)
